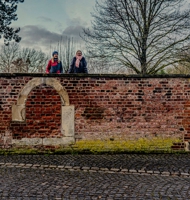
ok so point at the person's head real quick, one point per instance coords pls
(79, 53)
(55, 54)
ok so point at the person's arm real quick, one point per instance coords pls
(71, 69)
(85, 67)
(48, 67)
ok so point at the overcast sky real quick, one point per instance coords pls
(43, 22)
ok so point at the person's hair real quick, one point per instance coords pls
(79, 51)
(52, 60)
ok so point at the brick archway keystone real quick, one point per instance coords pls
(67, 113)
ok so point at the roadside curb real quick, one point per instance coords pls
(92, 169)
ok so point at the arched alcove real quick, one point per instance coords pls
(67, 113)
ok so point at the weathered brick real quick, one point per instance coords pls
(124, 107)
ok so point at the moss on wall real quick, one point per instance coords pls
(118, 146)
(112, 146)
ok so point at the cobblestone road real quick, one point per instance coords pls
(62, 177)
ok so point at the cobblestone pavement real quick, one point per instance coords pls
(62, 177)
(172, 164)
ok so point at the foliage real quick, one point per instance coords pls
(7, 14)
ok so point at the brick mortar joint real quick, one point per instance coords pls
(94, 169)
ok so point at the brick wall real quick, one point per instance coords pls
(106, 106)
(43, 115)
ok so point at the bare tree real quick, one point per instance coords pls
(8, 54)
(7, 14)
(177, 69)
(33, 60)
(67, 52)
(105, 65)
(142, 35)
(15, 59)
(183, 67)
(184, 56)
(96, 66)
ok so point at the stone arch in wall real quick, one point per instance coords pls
(67, 113)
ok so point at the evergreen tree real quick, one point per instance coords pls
(8, 14)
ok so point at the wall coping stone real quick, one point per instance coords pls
(95, 75)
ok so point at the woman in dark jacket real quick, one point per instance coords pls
(78, 64)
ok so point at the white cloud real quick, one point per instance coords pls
(44, 22)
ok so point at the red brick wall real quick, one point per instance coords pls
(105, 107)
(43, 115)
